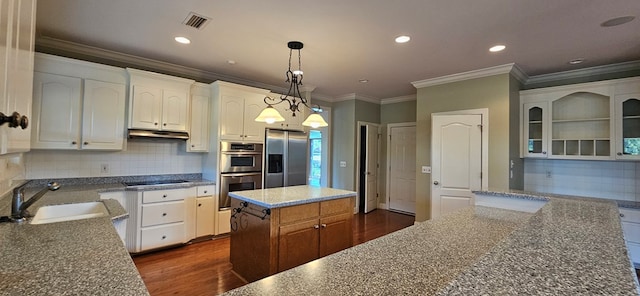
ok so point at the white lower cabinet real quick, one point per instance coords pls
(630, 219)
(205, 222)
(160, 218)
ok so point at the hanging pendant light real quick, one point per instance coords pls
(293, 97)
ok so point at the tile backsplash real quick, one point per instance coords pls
(603, 179)
(142, 157)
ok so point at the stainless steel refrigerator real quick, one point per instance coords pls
(286, 160)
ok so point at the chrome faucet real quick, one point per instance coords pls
(19, 205)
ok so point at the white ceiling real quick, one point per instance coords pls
(349, 40)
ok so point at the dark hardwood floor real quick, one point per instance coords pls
(203, 268)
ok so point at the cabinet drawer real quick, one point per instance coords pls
(206, 190)
(298, 213)
(160, 236)
(162, 213)
(629, 215)
(164, 195)
(336, 206)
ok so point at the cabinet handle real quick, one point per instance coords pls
(74, 142)
(323, 225)
(621, 215)
(436, 182)
(192, 146)
(205, 192)
(619, 153)
(155, 123)
(164, 214)
(316, 226)
(164, 196)
(199, 205)
(544, 152)
(164, 124)
(14, 120)
(164, 236)
(85, 143)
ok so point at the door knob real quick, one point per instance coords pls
(436, 182)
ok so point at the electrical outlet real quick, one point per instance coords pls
(548, 174)
(426, 169)
(343, 164)
(104, 168)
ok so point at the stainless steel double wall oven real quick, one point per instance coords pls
(240, 169)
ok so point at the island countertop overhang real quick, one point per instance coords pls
(272, 198)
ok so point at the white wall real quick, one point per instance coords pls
(604, 179)
(142, 157)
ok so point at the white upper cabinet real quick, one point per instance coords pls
(77, 105)
(158, 102)
(199, 118)
(238, 107)
(17, 31)
(103, 115)
(581, 121)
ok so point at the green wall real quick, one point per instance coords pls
(491, 92)
(391, 113)
(343, 144)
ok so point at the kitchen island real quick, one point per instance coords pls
(279, 228)
(571, 246)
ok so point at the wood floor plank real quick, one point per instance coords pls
(203, 268)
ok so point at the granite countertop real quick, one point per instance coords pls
(571, 246)
(288, 196)
(81, 257)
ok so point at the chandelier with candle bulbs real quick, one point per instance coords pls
(293, 97)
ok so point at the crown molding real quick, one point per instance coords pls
(355, 96)
(398, 99)
(585, 72)
(496, 70)
(75, 50)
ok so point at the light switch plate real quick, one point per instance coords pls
(426, 169)
(343, 164)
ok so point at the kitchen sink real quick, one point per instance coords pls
(69, 212)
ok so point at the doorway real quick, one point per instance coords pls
(401, 167)
(459, 143)
(319, 153)
(368, 165)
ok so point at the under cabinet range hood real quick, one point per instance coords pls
(138, 133)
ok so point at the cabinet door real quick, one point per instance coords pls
(627, 120)
(231, 118)
(17, 27)
(204, 216)
(336, 234)
(253, 130)
(174, 110)
(534, 128)
(103, 115)
(56, 112)
(298, 244)
(146, 108)
(199, 127)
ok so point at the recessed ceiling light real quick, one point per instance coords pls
(363, 80)
(497, 48)
(618, 21)
(403, 39)
(576, 61)
(183, 40)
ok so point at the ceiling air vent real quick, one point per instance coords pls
(196, 21)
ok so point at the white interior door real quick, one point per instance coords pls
(456, 161)
(402, 168)
(370, 167)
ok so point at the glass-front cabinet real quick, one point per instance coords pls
(535, 129)
(590, 121)
(628, 126)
